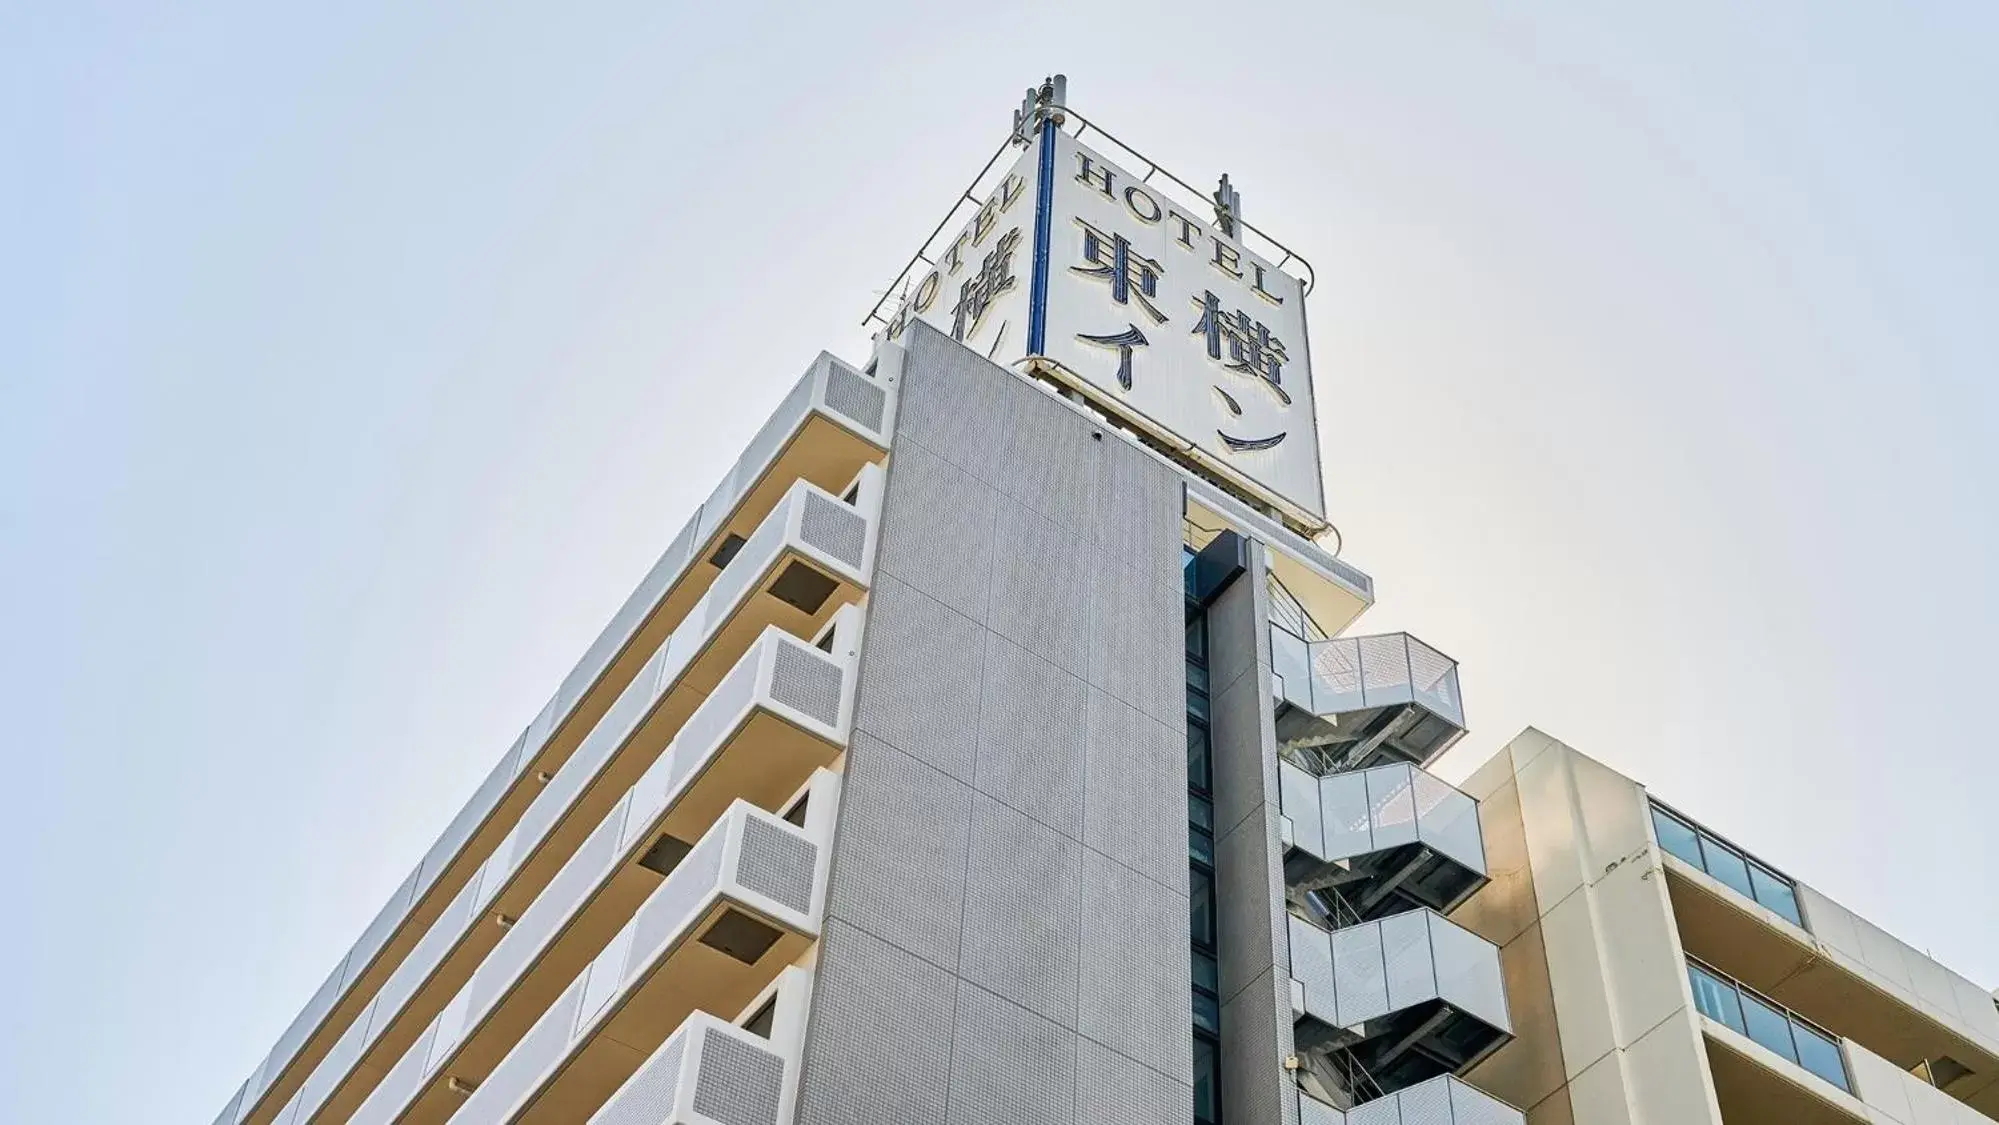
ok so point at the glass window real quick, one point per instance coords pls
(1775, 891)
(1727, 865)
(1206, 976)
(1198, 775)
(1201, 907)
(1207, 1013)
(1290, 662)
(1197, 636)
(1200, 847)
(1197, 705)
(1821, 1056)
(1676, 836)
(1201, 813)
(1767, 1025)
(1715, 998)
(1197, 676)
(1207, 1099)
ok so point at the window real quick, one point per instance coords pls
(1201, 908)
(1207, 1081)
(1775, 892)
(1728, 865)
(1677, 837)
(1768, 1024)
(1716, 998)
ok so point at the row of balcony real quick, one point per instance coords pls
(804, 532)
(739, 904)
(784, 541)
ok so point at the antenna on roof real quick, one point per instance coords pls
(1228, 206)
(1037, 104)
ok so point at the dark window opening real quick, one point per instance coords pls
(762, 1023)
(725, 553)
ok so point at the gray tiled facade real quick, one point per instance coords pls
(1006, 936)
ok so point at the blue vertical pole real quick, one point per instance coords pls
(1044, 206)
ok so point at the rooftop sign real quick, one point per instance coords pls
(1104, 281)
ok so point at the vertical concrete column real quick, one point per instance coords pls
(1255, 955)
(1595, 975)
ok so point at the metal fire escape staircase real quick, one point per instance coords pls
(1392, 1001)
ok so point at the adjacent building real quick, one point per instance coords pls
(997, 745)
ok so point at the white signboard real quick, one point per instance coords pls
(1181, 324)
(1153, 312)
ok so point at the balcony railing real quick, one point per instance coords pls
(1388, 697)
(1408, 997)
(1747, 1012)
(783, 711)
(1387, 839)
(712, 936)
(714, 1073)
(1439, 1101)
(749, 893)
(1733, 868)
(832, 423)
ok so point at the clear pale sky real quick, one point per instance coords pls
(356, 361)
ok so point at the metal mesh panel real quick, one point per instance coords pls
(1381, 1111)
(647, 1097)
(1384, 669)
(1470, 1106)
(1349, 829)
(803, 679)
(1435, 679)
(778, 863)
(398, 1086)
(1405, 949)
(1447, 820)
(670, 908)
(521, 1070)
(739, 1083)
(1391, 806)
(538, 924)
(1298, 792)
(1312, 966)
(856, 397)
(1468, 972)
(834, 528)
(1359, 975)
(1426, 1104)
(1312, 1111)
(1336, 676)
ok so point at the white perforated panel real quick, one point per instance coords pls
(739, 1083)
(856, 397)
(777, 863)
(803, 679)
(647, 1097)
(834, 528)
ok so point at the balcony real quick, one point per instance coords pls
(833, 422)
(1384, 840)
(780, 713)
(1352, 702)
(1439, 1101)
(736, 908)
(1841, 972)
(1404, 999)
(714, 1073)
